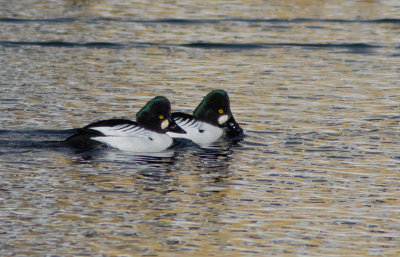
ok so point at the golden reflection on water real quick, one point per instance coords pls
(284, 9)
(316, 174)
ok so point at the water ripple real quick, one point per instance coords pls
(197, 21)
(202, 45)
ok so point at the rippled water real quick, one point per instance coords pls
(314, 84)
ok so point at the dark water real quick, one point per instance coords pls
(314, 85)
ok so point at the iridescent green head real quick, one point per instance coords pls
(215, 109)
(156, 116)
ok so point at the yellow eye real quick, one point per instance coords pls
(161, 117)
(221, 111)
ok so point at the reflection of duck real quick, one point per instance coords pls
(208, 121)
(147, 134)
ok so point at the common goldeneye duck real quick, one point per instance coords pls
(209, 120)
(147, 134)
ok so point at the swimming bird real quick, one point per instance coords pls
(209, 120)
(147, 134)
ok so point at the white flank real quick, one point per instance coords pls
(133, 138)
(200, 133)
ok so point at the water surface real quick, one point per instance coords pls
(314, 84)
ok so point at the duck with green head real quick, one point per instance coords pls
(209, 121)
(147, 134)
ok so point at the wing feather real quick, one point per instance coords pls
(185, 120)
(117, 127)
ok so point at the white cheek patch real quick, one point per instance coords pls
(164, 124)
(223, 119)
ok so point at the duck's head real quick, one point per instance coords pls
(215, 109)
(156, 116)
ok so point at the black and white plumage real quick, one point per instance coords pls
(209, 121)
(147, 134)
(199, 132)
